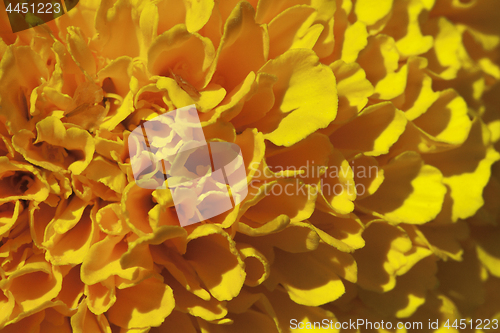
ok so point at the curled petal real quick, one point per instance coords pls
(56, 148)
(370, 12)
(84, 321)
(397, 258)
(466, 171)
(211, 251)
(304, 86)
(412, 192)
(373, 132)
(146, 304)
(46, 282)
(312, 278)
(21, 181)
(168, 48)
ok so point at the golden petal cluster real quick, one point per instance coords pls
(370, 132)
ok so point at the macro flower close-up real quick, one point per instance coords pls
(249, 166)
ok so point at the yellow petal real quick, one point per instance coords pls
(408, 295)
(110, 220)
(259, 103)
(343, 233)
(353, 89)
(107, 173)
(388, 252)
(80, 51)
(355, 40)
(72, 288)
(305, 94)
(466, 170)
(254, 229)
(97, 267)
(213, 255)
(368, 175)
(287, 27)
(55, 321)
(185, 301)
(148, 23)
(167, 52)
(179, 320)
(487, 248)
(86, 321)
(29, 323)
(444, 56)
(305, 158)
(210, 97)
(136, 203)
(55, 138)
(337, 186)
(108, 144)
(373, 132)
(444, 240)
(101, 296)
(268, 9)
(241, 322)
(197, 13)
(311, 278)
(447, 118)
(466, 291)
(45, 281)
(243, 47)
(21, 181)
(232, 103)
(412, 192)
(370, 12)
(115, 76)
(170, 13)
(289, 312)
(70, 247)
(418, 95)
(177, 95)
(21, 71)
(295, 238)
(257, 267)
(117, 30)
(325, 44)
(9, 216)
(409, 41)
(146, 304)
(380, 60)
(114, 117)
(292, 197)
(180, 269)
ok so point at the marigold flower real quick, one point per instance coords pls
(369, 132)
